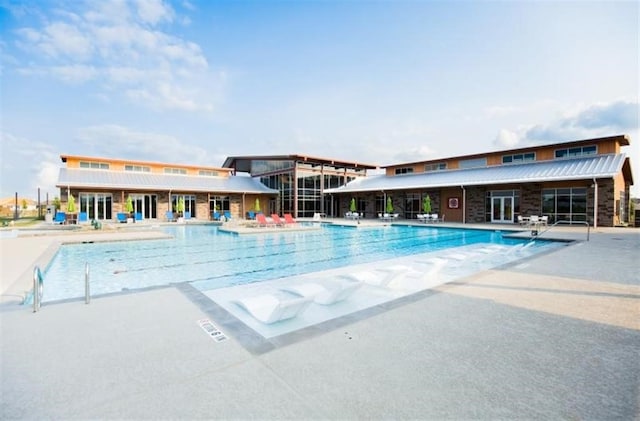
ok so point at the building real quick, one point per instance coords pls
(579, 181)
(301, 181)
(101, 187)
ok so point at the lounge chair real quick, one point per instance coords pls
(276, 220)
(268, 308)
(60, 218)
(434, 217)
(380, 277)
(325, 293)
(121, 217)
(262, 221)
(169, 216)
(227, 216)
(288, 219)
(544, 220)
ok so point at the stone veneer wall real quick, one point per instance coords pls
(531, 199)
(606, 203)
(475, 204)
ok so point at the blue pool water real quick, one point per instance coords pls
(210, 259)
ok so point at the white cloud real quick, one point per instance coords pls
(507, 139)
(32, 165)
(154, 11)
(112, 140)
(120, 44)
(580, 122)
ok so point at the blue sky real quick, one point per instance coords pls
(377, 82)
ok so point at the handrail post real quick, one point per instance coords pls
(87, 294)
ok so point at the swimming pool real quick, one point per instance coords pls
(209, 258)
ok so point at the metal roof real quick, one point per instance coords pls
(597, 166)
(102, 179)
(243, 163)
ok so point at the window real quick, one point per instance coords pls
(568, 204)
(406, 170)
(208, 173)
(94, 165)
(175, 171)
(439, 166)
(519, 158)
(577, 151)
(137, 168)
(473, 163)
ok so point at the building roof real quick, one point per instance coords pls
(242, 163)
(596, 166)
(101, 179)
(65, 158)
(623, 140)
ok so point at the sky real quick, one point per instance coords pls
(377, 82)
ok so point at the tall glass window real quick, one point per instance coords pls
(568, 204)
(96, 205)
(413, 205)
(189, 203)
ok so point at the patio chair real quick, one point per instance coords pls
(325, 293)
(137, 216)
(82, 218)
(227, 216)
(121, 217)
(544, 220)
(169, 216)
(268, 308)
(60, 218)
(434, 217)
(251, 214)
(215, 215)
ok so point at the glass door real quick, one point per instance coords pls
(502, 209)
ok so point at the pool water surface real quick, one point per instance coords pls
(209, 258)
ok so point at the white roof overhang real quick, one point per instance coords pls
(124, 180)
(598, 166)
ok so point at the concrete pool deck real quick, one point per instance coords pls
(554, 336)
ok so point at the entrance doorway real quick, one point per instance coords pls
(502, 209)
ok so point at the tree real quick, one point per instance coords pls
(56, 203)
(389, 205)
(352, 205)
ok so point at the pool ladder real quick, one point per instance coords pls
(38, 287)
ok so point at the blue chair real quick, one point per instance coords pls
(187, 215)
(138, 216)
(169, 216)
(252, 215)
(215, 215)
(121, 217)
(227, 215)
(60, 218)
(82, 218)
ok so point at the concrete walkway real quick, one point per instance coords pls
(553, 337)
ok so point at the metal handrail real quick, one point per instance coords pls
(568, 223)
(38, 287)
(87, 295)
